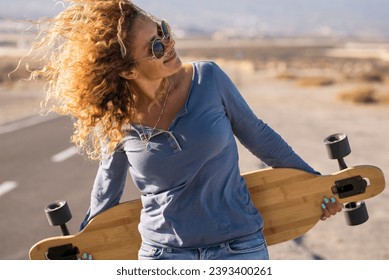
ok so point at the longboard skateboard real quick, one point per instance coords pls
(288, 199)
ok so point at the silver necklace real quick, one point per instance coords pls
(146, 137)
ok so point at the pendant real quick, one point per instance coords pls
(148, 146)
(143, 137)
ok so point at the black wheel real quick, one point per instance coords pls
(337, 146)
(356, 213)
(58, 213)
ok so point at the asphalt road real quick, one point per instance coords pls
(38, 165)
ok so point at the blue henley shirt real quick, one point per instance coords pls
(191, 189)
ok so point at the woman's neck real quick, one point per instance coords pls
(148, 90)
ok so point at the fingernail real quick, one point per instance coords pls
(333, 200)
(323, 206)
(85, 255)
(326, 200)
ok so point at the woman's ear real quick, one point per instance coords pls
(129, 75)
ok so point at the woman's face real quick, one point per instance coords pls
(147, 67)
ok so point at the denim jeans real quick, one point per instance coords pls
(252, 247)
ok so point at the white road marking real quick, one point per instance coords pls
(14, 126)
(64, 155)
(7, 187)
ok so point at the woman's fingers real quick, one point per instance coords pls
(330, 207)
(86, 256)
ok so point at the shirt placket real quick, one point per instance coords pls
(173, 142)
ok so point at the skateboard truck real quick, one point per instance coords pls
(58, 214)
(63, 252)
(355, 212)
(349, 187)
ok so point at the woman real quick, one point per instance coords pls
(171, 124)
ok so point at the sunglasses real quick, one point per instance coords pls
(158, 44)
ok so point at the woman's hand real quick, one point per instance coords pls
(86, 256)
(330, 207)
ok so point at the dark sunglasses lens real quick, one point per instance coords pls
(165, 30)
(158, 49)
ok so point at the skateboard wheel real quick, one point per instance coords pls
(337, 146)
(58, 213)
(356, 213)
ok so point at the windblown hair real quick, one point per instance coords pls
(86, 48)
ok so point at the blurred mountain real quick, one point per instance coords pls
(247, 18)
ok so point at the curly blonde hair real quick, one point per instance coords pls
(87, 47)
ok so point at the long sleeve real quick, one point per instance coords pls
(108, 185)
(253, 133)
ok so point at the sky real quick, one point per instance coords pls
(268, 17)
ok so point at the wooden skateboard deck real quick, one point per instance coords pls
(288, 199)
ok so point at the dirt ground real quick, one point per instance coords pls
(305, 95)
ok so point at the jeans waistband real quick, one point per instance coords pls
(219, 245)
